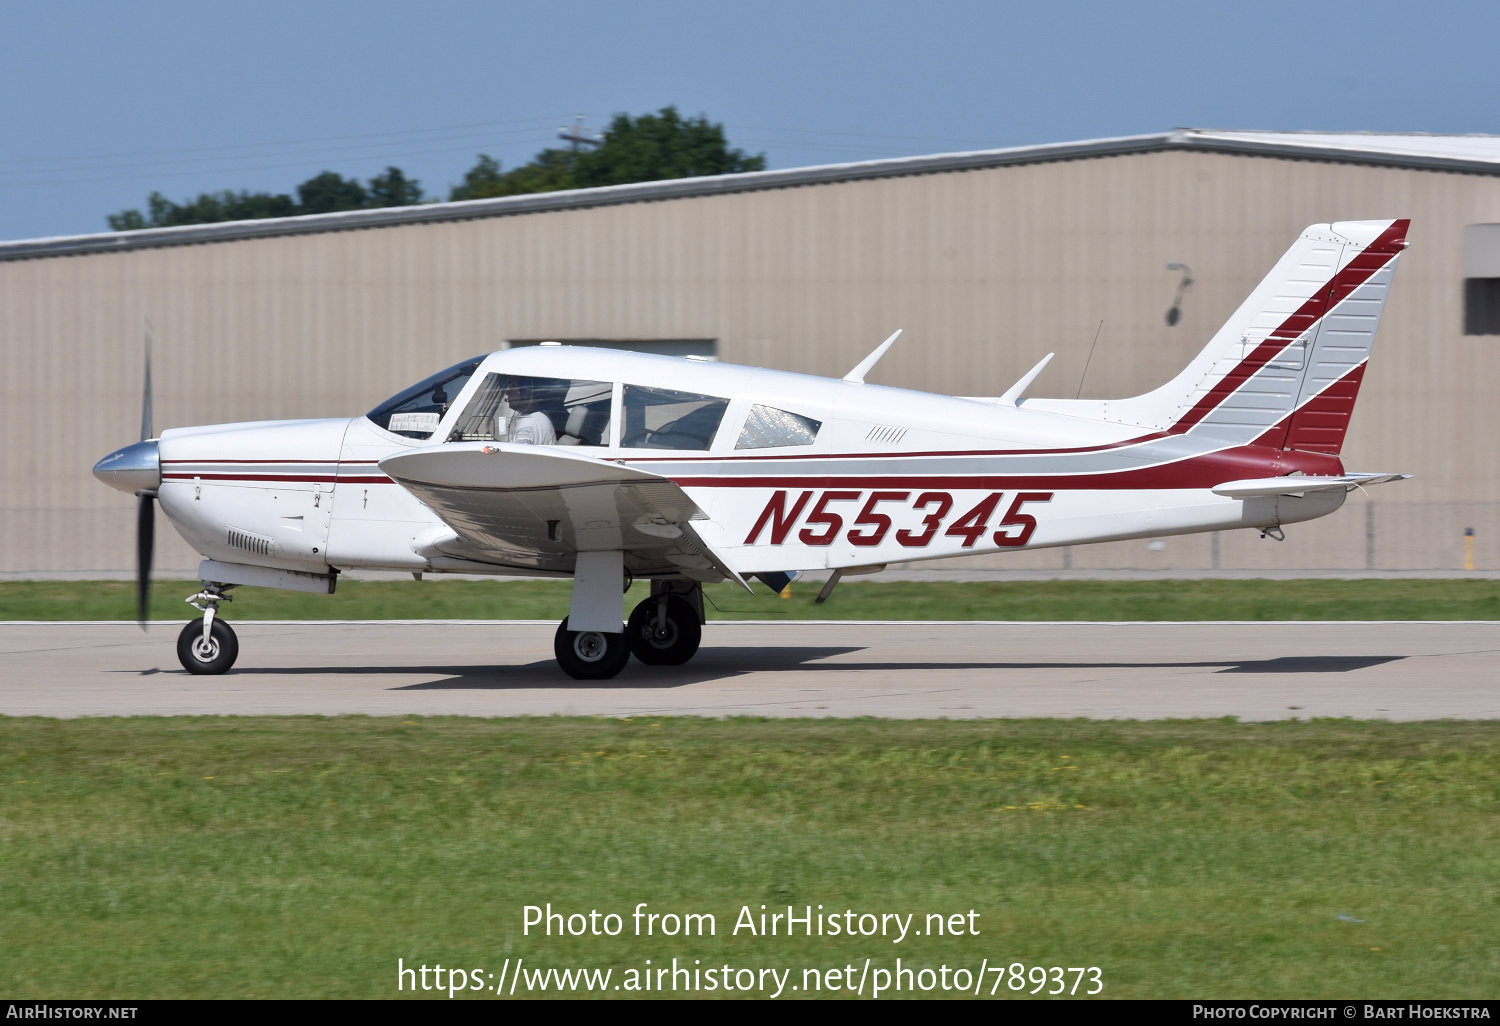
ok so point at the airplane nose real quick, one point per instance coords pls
(131, 469)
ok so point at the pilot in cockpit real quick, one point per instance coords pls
(531, 426)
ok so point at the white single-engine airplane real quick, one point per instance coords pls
(611, 466)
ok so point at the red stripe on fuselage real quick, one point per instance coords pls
(278, 479)
(267, 478)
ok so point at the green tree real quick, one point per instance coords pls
(321, 194)
(549, 171)
(126, 221)
(648, 148)
(394, 189)
(329, 193)
(482, 181)
(250, 206)
(658, 146)
(208, 208)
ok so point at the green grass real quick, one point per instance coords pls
(1365, 599)
(268, 857)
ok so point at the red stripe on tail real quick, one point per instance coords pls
(1320, 425)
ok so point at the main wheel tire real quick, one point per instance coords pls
(589, 655)
(217, 656)
(671, 644)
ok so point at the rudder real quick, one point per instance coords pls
(1330, 385)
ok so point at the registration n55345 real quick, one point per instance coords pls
(866, 518)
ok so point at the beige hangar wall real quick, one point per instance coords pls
(986, 270)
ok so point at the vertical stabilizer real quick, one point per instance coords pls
(1285, 369)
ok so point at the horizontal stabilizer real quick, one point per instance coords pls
(1299, 484)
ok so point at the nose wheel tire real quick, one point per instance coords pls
(667, 641)
(216, 655)
(590, 655)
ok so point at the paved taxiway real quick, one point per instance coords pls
(1255, 671)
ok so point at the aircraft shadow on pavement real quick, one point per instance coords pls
(1310, 664)
(719, 663)
(710, 664)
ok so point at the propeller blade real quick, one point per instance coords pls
(146, 427)
(145, 542)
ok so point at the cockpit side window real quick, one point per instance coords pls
(536, 411)
(770, 428)
(657, 418)
(416, 412)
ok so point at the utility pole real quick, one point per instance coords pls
(575, 135)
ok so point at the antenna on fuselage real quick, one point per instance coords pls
(1090, 359)
(857, 375)
(1013, 394)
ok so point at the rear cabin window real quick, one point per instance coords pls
(536, 411)
(656, 418)
(770, 428)
(415, 412)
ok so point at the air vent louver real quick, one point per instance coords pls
(257, 544)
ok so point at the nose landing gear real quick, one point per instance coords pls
(208, 645)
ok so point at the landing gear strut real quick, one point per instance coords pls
(208, 645)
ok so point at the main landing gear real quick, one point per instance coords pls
(663, 630)
(207, 644)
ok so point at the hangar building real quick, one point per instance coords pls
(988, 260)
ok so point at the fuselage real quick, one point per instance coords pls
(887, 475)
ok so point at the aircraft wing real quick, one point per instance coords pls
(538, 506)
(1298, 484)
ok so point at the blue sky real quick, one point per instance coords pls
(100, 103)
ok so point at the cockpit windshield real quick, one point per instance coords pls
(416, 412)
